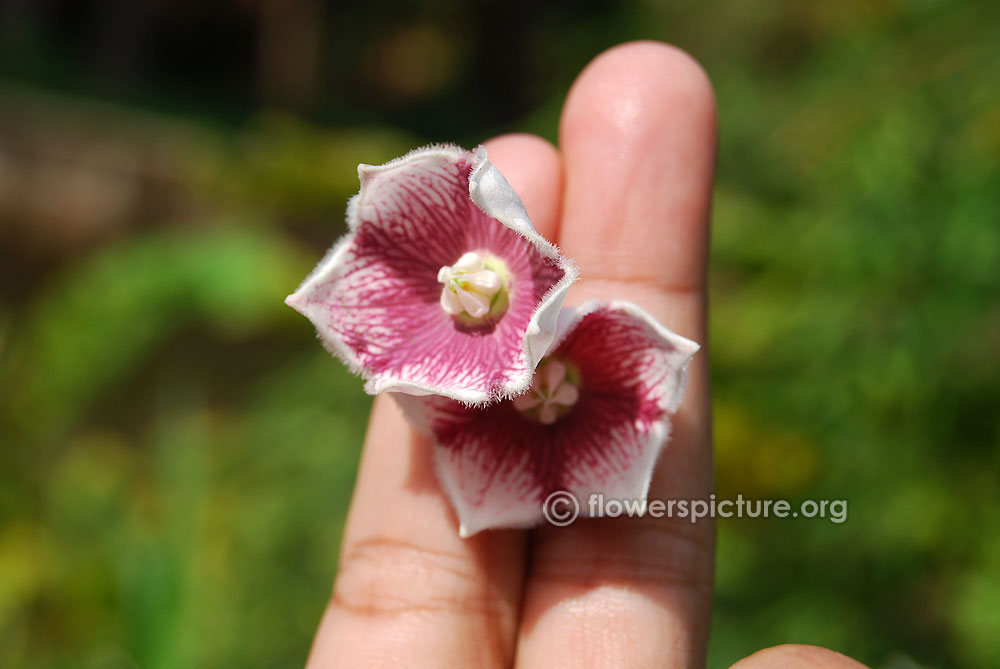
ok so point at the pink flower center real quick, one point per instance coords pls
(553, 392)
(475, 288)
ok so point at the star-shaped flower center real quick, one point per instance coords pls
(475, 288)
(553, 392)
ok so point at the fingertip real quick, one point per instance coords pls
(533, 168)
(517, 141)
(626, 80)
(797, 656)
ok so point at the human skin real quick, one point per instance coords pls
(627, 196)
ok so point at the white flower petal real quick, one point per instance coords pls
(470, 262)
(475, 304)
(485, 281)
(566, 395)
(554, 372)
(450, 302)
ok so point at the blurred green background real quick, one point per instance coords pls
(177, 451)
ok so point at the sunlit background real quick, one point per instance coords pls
(177, 451)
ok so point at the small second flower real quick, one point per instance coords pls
(594, 420)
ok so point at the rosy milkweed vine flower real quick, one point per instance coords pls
(441, 285)
(595, 419)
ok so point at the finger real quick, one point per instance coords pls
(638, 144)
(797, 657)
(408, 589)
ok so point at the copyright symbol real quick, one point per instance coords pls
(560, 508)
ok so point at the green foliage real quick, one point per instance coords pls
(854, 331)
(139, 536)
(282, 164)
(98, 320)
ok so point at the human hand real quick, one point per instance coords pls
(627, 197)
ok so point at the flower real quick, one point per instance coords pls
(441, 286)
(594, 420)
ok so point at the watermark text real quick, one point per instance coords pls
(563, 507)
